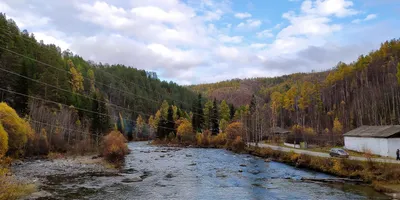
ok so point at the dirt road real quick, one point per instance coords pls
(321, 154)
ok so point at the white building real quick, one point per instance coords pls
(380, 140)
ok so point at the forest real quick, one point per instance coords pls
(364, 92)
(71, 100)
(61, 94)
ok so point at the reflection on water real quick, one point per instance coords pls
(170, 173)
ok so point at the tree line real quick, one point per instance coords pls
(63, 94)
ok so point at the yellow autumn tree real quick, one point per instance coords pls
(157, 119)
(139, 124)
(17, 129)
(289, 101)
(152, 123)
(185, 130)
(337, 127)
(164, 109)
(223, 124)
(174, 112)
(92, 80)
(276, 105)
(3, 141)
(306, 92)
(76, 78)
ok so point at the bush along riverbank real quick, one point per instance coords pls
(378, 174)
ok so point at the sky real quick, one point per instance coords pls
(205, 41)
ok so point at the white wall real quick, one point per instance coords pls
(378, 146)
(393, 144)
(297, 146)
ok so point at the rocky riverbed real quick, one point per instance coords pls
(152, 172)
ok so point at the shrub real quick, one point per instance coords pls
(171, 136)
(203, 139)
(219, 140)
(114, 147)
(3, 141)
(18, 129)
(238, 144)
(234, 130)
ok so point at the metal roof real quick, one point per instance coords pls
(374, 131)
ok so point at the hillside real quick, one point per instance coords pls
(59, 88)
(364, 92)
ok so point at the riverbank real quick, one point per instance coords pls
(384, 177)
(41, 173)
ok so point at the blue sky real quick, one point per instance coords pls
(202, 41)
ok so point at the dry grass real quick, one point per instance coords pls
(10, 188)
(368, 171)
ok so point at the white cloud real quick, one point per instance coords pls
(339, 8)
(367, 18)
(278, 26)
(309, 25)
(157, 14)
(265, 34)
(370, 17)
(250, 24)
(243, 15)
(229, 39)
(184, 40)
(258, 45)
(53, 37)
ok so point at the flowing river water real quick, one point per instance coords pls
(153, 173)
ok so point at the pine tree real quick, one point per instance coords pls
(170, 121)
(224, 111)
(207, 115)
(100, 118)
(161, 131)
(214, 119)
(231, 111)
(198, 114)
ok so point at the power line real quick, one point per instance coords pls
(101, 71)
(82, 109)
(82, 76)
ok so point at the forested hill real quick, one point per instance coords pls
(364, 92)
(34, 75)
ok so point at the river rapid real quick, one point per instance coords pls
(153, 173)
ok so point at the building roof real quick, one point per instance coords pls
(279, 130)
(374, 131)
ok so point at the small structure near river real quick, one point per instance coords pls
(379, 140)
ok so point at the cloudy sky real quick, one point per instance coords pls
(202, 41)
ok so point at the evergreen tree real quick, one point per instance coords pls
(231, 111)
(100, 118)
(120, 124)
(224, 111)
(214, 119)
(161, 129)
(198, 115)
(207, 114)
(170, 121)
(199, 112)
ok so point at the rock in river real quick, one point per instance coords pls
(131, 179)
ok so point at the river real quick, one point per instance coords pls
(192, 173)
